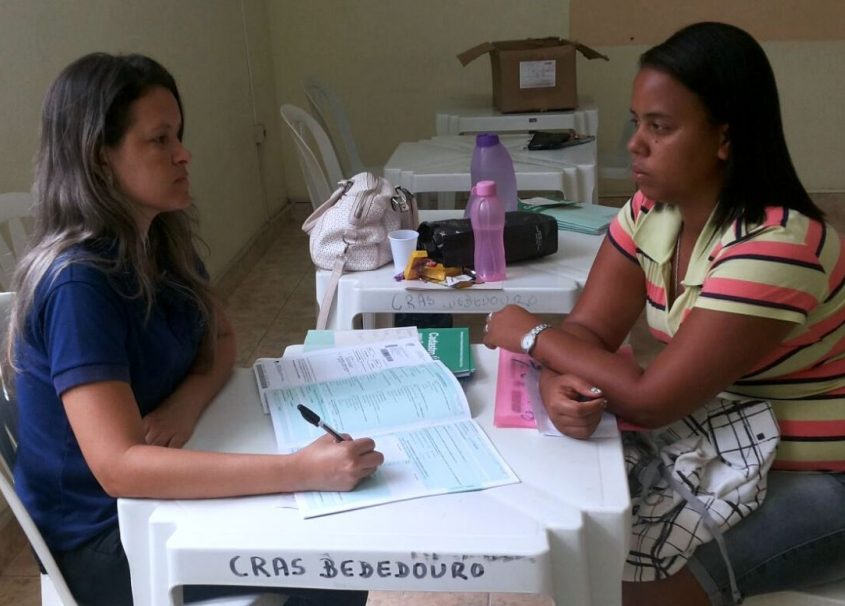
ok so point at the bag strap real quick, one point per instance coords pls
(405, 203)
(331, 289)
(311, 221)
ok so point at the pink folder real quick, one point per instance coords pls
(513, 395)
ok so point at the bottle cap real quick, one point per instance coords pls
(485, 188)
(486, 139)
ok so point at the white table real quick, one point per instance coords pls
(442, 164)
(483, 117)
(549, 284)
(562, 531)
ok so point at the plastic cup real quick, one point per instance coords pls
(402, 243)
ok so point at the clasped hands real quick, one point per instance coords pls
(574, 406)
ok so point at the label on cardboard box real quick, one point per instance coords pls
(537, 74)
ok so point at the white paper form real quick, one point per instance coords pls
(389, 398)
(316, 339)
(412, 406)
(334, 363)
(439, 459)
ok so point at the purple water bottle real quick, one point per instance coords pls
(491, 161)
(487, 216)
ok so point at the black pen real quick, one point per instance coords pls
(315, 420)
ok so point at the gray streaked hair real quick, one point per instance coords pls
(86, 110)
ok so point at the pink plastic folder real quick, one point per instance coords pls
(513, 403)
(513, 395)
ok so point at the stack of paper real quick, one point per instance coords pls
(411, 405)
(572, 216)
(449, 345)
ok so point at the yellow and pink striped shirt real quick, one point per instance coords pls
(789, 267)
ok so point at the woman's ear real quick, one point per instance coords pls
(724, 151)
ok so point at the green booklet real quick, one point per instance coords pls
(450, 346)
(590, 219)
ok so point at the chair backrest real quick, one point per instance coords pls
(15, 212)
(329, 111)
(320, 177)
(8, 447)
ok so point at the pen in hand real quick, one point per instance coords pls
(315, 420)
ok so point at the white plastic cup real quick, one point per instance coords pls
(402, 243)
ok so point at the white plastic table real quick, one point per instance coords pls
(561, 532)
(483, 117)
(442, 163)
(549, 284)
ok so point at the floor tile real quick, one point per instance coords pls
(20, 591)
(12, 543)
(405, 598)
(23, 564)
(519, 599)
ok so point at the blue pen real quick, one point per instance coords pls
(315, 420)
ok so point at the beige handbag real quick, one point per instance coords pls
(348, 232)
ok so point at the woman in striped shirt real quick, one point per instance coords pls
(742, 280)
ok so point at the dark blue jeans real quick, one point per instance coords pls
(97, 574)
(796, 539)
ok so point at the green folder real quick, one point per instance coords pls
(450, 346)
(582, 218)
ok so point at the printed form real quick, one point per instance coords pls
(413, 407)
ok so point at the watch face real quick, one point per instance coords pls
(527, 341)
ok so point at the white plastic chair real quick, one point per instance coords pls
(54, 589)
(329, 111)
(321, 174)
(15, 210)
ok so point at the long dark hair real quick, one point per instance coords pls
(87, 109)
(731, 75)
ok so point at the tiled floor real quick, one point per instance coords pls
(272, 306)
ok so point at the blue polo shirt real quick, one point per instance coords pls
(85, 326)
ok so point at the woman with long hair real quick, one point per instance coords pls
(117, 341)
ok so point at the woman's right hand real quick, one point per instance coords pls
(574, 406)
(330, 465)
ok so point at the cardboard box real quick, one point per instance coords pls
(536, 74)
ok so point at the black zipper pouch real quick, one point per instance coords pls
(527, 236)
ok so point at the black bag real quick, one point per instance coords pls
(527, 236)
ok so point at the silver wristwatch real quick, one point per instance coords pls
(530, 338)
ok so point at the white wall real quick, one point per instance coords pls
(204, 44)
(394, 64)
(394, 61)
(811, 82)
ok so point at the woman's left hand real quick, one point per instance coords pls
(506, 327)
(574, 406)
(169, 425)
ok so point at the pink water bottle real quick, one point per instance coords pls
(487, 217)
(491, 161)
